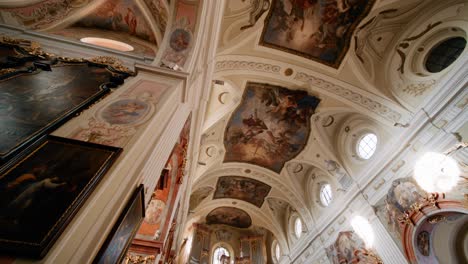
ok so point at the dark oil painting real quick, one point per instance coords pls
(270, 126)
(315, 29)
(118, 241)
(230, 216)
(32, 104)
(242, 188)
(43, 190)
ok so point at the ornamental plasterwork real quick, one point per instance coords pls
(246, 65)
(417, 89)
(366, 102)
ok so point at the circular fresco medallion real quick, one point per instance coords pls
(180, 39)
(125, 112)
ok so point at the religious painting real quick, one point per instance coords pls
(270, 126)
(119, 15)
(182, 34)
(117, 121)
(43, 14)
(347, 249)
(42, 191)
(230, 216)
(118, 241)
(198, 196)
(126, 112)
(317, 30)
(35, 103)
(423, 243)
(242, 188)
(403, 193)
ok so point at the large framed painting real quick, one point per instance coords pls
(117, 243)
(35, 101)
(270, 126)
(42, 189)
(313, 29)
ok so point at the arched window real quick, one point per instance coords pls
(367, 145)
(444, 54)
(326, 195)
(298, 227)
(221, 256)
(276, 251)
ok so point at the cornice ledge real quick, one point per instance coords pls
(388, 113)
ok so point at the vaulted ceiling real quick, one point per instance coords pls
(296, 85)
(140, 23)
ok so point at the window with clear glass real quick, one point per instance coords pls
(367, 145)
(298, 227)
(277, 251)
(444, 54)
(221, 256)
(326, 194)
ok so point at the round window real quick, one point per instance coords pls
(326, 194)
(367, 145)
(444, 54)
(298, 227)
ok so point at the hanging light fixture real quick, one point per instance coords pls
(436, 173)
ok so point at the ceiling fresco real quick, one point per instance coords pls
(44, 13)
(347, 249)
(119, 15)
(317, 30)
(230, 216)
(270, 126)
(242, 188)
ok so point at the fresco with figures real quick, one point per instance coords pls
(117, 121)
(43, 14)
(315, 29)
(270, 126)
(230, 216)
(119, 15)
(242, 188)
(346, 249)
(402, 194)
(182, 34)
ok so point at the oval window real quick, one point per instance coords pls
(444, 54)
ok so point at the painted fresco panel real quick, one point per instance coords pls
(117, 121)
(242, 188)
(346, 249)
(320, 30)
(45, 13)
(182, 34)
(270, 126)
(119, 15)
(402, 194)
(229, 216)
